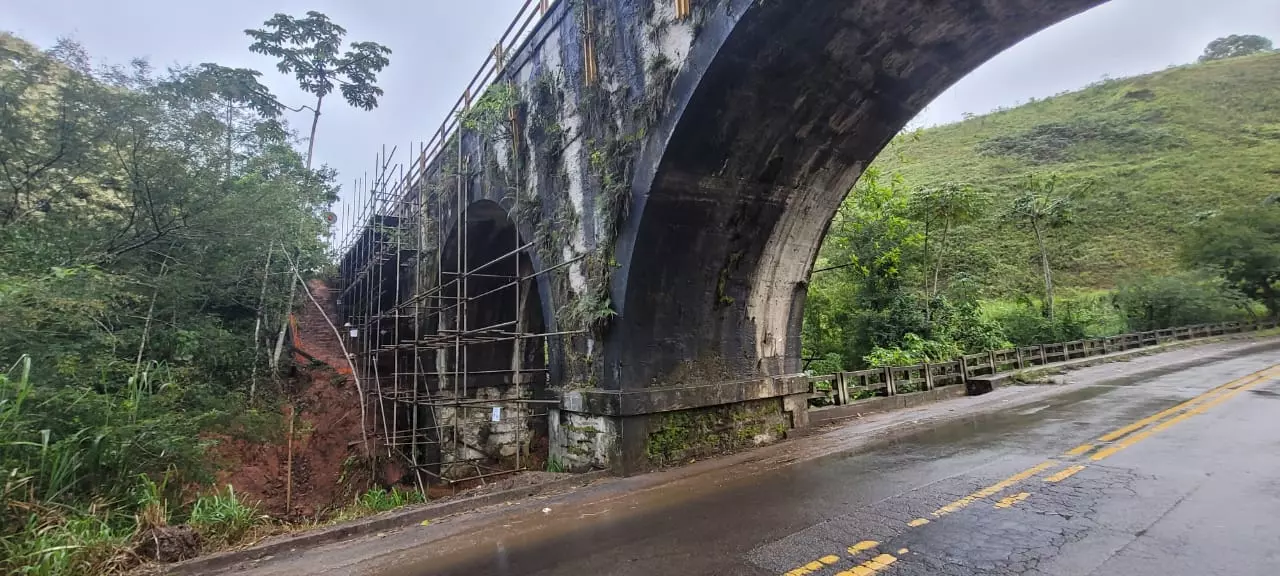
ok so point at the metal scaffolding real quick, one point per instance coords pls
(444, 322)
(436, 291)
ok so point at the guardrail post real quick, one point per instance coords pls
(991, 357)
(1018, 350)
(842, 388)
(928, 377)
(888, 381)
(1044, 358)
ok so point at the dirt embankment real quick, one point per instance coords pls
(322, 467)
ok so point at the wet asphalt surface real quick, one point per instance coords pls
(1000, 492)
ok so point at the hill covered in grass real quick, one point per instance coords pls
(1153, 153)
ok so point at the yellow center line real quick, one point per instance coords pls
(818, 564)
(1064, 474)
(994, 489)
(1126, 435)
(863, 546)
(870, 566)
(1130, 441)
(1009, 501)
(1121, 432)
(1081, 449)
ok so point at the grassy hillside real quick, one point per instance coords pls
(1160, 150)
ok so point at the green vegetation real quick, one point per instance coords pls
(223, 518)
(309, 49)
(1236, 45)
(1133, 204)
(143, 216)
(378, 499)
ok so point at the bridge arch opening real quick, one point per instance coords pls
(780, 108)
(488, 364)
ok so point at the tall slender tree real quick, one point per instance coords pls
(1044, 203)
(311, 49)
(941, 208)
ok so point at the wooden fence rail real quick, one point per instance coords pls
(845, 387)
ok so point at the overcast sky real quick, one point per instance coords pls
(438, 46)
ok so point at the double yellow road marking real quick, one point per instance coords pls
(994, 489)
(1009, 501)
(1064, 474)
(1105, 446)
(1127, 436)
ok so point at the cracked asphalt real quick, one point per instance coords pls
(1108, 474)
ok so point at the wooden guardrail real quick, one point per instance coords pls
(845, 387)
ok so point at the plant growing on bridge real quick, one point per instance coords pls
(491, 114)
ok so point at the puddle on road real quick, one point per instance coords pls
(981, 427)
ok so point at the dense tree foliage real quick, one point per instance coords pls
(1058, 220)
(1244, 245)
(138, 213)
(875, 287)
(1236, 45)
(310, 48)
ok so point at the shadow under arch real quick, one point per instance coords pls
(484, 354)
(778, 109)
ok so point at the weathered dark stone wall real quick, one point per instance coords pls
(682, 192)
(773, 117)
(676, 437)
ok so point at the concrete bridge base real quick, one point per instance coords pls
(630, 431)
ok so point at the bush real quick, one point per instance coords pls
(72, 446)
(1085, 316)
(1158, 302)
(222, 518)
(1056, 141)
(914, 350)
(49, 544)
(379, 499)
(829, 363)
(961, 322)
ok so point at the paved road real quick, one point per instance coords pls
(1175, 474)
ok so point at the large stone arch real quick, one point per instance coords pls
(774, 115)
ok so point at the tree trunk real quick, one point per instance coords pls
(293, 285)
(942, 248)
(146, 327)
(284, 322)
(229, 134)
(315, 121)
(1048, 274)
(257, 325)
(928, 299)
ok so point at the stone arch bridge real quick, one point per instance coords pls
(656, 175)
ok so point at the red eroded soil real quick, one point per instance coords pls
(327, 468)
